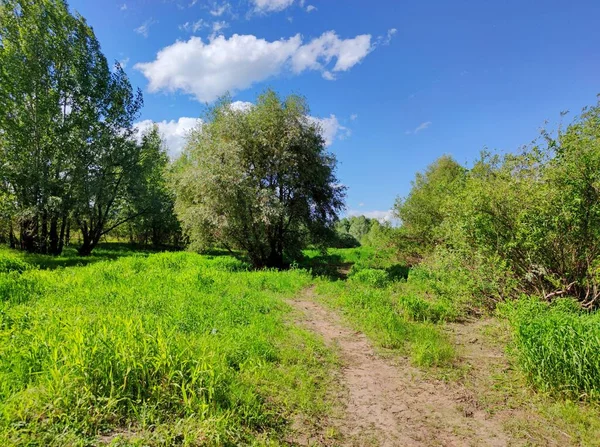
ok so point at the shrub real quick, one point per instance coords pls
(11, 263)
(373, 277)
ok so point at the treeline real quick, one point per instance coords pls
(525, 223)
(355, 231)
(70, 159)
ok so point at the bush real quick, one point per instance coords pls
(373, 277)
(11, 263)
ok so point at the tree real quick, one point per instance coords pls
(107, 157)
(149, 196)
(65, 122)
(259, 180)
(423, 211)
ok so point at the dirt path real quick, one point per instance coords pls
(393, 404)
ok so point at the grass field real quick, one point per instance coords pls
(162, 349)
(131, 347)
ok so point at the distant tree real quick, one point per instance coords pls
(149, 197)
(423, 211)
(359, 226)
(259, 180)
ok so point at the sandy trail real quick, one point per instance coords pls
(391, 403)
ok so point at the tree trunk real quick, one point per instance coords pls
(68, 232)
(54, 238)
(28, 236)
(11, 236)
(43, 240)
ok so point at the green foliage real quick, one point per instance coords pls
(11, 263)
(67, 149)
(422, 212)
(557, 346)
(258, 180)
(173, 348)
(373, 277)
(149, 199)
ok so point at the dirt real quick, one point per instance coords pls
(390, 402)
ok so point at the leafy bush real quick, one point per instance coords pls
(557, 345)
(12, 263)
(373, 277)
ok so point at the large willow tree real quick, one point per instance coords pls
(258, 180)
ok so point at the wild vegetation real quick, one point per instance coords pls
(140, 343)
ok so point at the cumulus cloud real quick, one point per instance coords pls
(174, 132)
(380, 215)
(319, 52)
(266, 6)
(311, 8)
(207, 70)
(144, 29)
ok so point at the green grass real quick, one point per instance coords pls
(378, 312)
(171, 348)
(557, 346)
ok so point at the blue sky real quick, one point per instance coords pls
(395, 83)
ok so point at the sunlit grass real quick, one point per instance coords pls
(173, 347)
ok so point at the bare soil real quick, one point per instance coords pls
(391, 403)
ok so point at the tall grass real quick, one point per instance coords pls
(557, 345)
(172, 348)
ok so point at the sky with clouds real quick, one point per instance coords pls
(393, 83)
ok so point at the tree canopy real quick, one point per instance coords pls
(258, 180)
(68, 149)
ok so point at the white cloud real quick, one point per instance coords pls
(311, 8)
(218, 11)
(265, 6)
(241, 105)
(353, 117)
(419, 128)
(144, 29)
(385, 40)
(217, 27)
(123, 63)
(328, 76)
(208, 70)
(382, 216)
(422, 126)
(192, 27)
(174, 132)
(331, 129)
(319, 52)
(124, 7)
